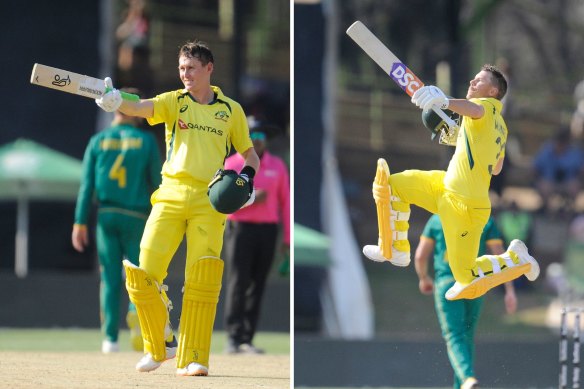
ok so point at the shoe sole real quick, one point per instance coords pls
(480, 286)
(394, 261)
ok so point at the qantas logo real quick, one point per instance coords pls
(405, 78)
(211, 130)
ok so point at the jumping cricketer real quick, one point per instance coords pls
(460, 195)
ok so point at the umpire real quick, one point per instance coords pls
(252, 235)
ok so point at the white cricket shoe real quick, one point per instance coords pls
(108, 347)
(519, 248)
(470, 383)
(193, 369)
(398, 258)
(147, 363)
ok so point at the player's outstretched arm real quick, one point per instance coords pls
(127, 103)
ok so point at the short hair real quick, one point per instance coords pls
(197, 49)
(498, 79)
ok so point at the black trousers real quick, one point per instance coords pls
(250, 249)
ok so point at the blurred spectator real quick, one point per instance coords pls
(558, 168)
(515, 223)
(252, 234)
(133, 48)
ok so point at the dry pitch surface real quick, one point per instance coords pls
(95, 370)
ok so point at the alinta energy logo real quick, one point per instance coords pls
(222, 115)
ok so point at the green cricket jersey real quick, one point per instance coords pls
(121, 168)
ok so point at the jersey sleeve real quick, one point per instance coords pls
(240, 135)
(86, 189)
(163, 106)
(432, 228)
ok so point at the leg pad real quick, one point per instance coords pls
(382, 196)
(201, 294)
(152, 306)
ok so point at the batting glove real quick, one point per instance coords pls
(252, 190)
(112, 99)
(428, 96)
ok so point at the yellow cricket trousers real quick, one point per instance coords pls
(179, 207)
(463, 219)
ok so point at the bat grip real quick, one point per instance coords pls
(451, 123)
(129, 96)
(126, 96)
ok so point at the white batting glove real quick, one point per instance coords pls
(428, 96)
(252, 194)
(250, 200)
(112, 99)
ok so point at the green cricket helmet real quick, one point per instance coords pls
(228, 192)
(438, 126)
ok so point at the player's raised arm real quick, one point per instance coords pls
(131, 105)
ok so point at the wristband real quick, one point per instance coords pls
(249, 171)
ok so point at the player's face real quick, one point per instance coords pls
(481, 86)
(193, 73)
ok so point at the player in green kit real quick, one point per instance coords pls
(458, 318)
(201, 127)
(121, 169)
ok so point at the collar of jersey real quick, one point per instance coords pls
(216, 90)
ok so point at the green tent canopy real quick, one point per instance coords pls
(31, 171)
(311, 248)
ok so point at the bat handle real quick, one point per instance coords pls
(126, 96)
(129, 96)
(451, 123)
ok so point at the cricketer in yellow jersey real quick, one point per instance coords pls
(460, 195)
(201, 126)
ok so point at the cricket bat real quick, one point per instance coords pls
(391, 65)
(70, 82)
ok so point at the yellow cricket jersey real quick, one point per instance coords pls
(199, 137)
(480, 145)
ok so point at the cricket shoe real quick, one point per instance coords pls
(470, 383)
(479, 286)
(108, 347)
(248, 348)
(192, 369)
(519, 248)
(147, 363)
(398, 258)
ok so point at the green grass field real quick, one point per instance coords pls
(75, 339)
